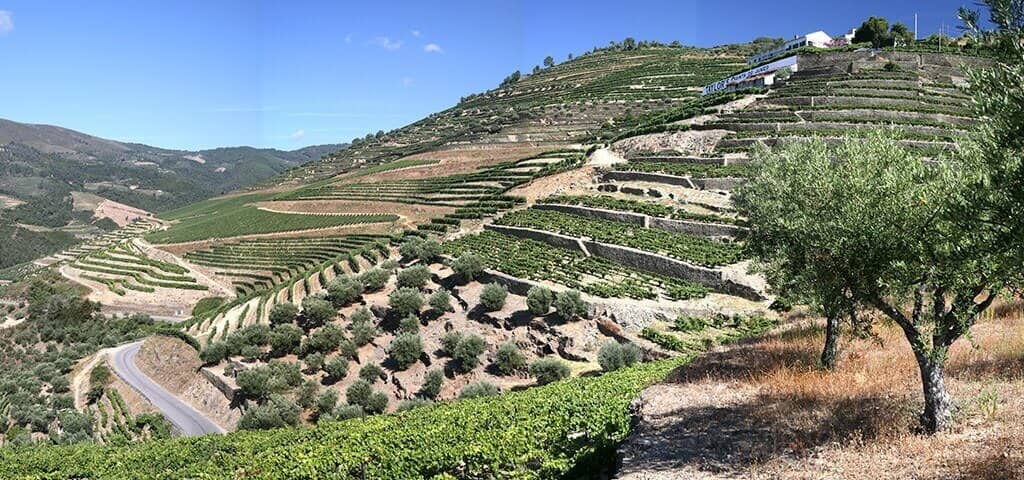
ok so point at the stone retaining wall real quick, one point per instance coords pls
(639, 259)
(691, 227)
(219, 383)
(624, 176)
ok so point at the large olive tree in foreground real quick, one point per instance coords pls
(869, 223)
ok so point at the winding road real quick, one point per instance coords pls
(188, 420)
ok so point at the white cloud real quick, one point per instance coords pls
(432, 48)
(408, 81)
(348, 39)
(6, 22)
(415, 33)
(297, 135)
(386, 43)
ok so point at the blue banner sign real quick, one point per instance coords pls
(739, 77)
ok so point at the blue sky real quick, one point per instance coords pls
(194, 74)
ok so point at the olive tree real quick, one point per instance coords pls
(898, 233)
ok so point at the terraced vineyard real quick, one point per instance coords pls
(689, 248)
(636, 206)
(257, 265)
(122, 267)
(557, 106)
(920, 103)
(602, 278)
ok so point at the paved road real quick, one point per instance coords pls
(188, 420)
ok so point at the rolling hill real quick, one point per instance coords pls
(54, 178)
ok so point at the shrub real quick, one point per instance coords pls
(207, 304)
(212, 354)
(283, 313)
(325, 339)
(450, 340)
(414, 277)
(326, 402)
(250, 353)
(548, 370)
(411, 404)
(344, 290)
(492, 297)
(479, 389)
(440, 301)
(363, 333)
(306, 394)
(374, 279)
(409, 324)
(358, 393)
(468, 351)
(314, 362)
(278, 411)
(432, 384)
(509, 360)
(406, 349)
(371, 372)
(405, 301)
(613, 355)
(569, 305)
(538, 300)
(345, 412)
(424, 250)
(337, 368)
(469, 266)
(285, 338)
(376, 403)
(315, 312)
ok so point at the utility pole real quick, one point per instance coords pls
(915, 27)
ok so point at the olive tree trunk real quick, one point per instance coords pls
(830, 352)
(938, 405)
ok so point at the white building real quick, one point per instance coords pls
(816, 39)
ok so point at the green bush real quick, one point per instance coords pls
(440, 301)
(325, 339)
(468, 266)
(414, 277)
(424, 250)
(374, 279)
(306, 393)
(358, 393)
(326, 402)
(205, 305)
(467, 352)
(614, 355)
(371, 372)
(344, 290)
(450, 340)
(409, 324)
(570, 305)
(407, 405)
(376, 403)
(538, 300)
(213, 353)
(314, 362)
(509, 360)
(278, 411)
(316, 311)
(548, 370)
(432, 384)
(406, 349)
(492, 297)
(405, 301)
(479, 389)
(283, 313)
(337, 368)
(362, 332)
(285, 338)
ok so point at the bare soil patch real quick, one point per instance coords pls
(174, 365)
(453, 161)
(763, 410)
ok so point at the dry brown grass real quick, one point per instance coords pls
(764, 410)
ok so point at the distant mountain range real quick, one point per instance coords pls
(41, 165)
